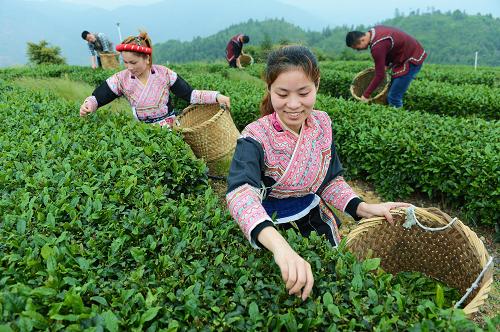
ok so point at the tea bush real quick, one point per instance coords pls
(107, 223)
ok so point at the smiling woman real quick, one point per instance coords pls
(286, 173)
(293, 95)
(147, 86)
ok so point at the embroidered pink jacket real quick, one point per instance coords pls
(299, 165)
(150, 101)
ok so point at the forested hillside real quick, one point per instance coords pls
(450, 38)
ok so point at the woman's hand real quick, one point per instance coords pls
(366, 210)
(85, 109)
(223, 100)
(295, 271)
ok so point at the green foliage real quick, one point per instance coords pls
(447, 99)
(75, 73)
(461, 75)
(107, 223)
(434, 96)
(266, 43)
(449, 38)
(42, 53)
(453, 160)
(75, 91)
(258, 54)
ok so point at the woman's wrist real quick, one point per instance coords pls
(270, 238)
(361, 211)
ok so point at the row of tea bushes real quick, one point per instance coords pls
(461, 75)
(424, 148)
(423, 95)
(458, 75)
(428, 96)
(475, 141)
(108, 224)
(455, 100)
(75, 73)
(450, 159)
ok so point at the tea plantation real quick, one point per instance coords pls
(107, 224)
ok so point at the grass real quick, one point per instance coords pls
(242, 75)
(220, 167)
(69, 90)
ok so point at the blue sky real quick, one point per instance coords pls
(349, 12)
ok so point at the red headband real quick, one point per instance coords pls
(133, 48)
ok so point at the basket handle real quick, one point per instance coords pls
(411, 219)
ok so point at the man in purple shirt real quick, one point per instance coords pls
(393, 48)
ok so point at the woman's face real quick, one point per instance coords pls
(135, 63)
(293, 95)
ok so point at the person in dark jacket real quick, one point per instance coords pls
(235, 48)
(394, 49)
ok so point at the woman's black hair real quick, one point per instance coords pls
(284, 59)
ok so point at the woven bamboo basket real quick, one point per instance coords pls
(246, 60)
(361, 82)
(453, 255)
(209, 130)
(109, 60)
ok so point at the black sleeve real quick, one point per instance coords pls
(352, 206)
(246, 168)
(237, 49)
(256, 231)
(182, 89)
(247, 164)
(103, 94)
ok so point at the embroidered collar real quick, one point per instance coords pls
(280, 126)
(152, 73)
(275, 122)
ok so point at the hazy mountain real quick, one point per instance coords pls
(213, 47)
(181, 22)
(61, 23)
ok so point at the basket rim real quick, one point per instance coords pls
(251, 61)
(202, 125)
(367, 70)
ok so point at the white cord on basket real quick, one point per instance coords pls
(411, 219)
(475, 283)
